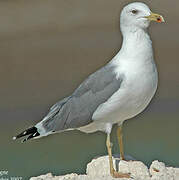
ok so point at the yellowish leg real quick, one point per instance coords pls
(114, 173)
(119, 135)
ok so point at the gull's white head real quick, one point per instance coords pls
(138, 15)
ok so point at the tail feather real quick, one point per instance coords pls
(31, 131)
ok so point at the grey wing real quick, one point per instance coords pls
(76, 110)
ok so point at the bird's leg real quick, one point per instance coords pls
(119, 135)
(109, 148)
(113, 173)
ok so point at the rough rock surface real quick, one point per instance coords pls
(98, 169)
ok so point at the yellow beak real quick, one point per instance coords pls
(155, 17)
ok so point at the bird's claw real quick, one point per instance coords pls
(116, 174)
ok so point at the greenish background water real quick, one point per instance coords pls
(46, 49)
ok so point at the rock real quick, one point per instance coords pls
(98, 169)
(44, 177)
(159, 171)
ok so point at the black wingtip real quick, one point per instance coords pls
(31, 131)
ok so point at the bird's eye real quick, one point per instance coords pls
(134, 11)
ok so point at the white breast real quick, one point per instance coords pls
(135, 93)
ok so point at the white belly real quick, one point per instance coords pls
(134, 95)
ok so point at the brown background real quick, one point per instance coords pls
(47, 48)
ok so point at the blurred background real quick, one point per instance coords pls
(47, 48)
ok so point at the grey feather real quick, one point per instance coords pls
(76, 110)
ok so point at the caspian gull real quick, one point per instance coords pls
(118, 91)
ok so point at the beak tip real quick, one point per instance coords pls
(155, 17)
(162, 19)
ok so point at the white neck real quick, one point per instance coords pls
(136, 44)
(136, 39)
